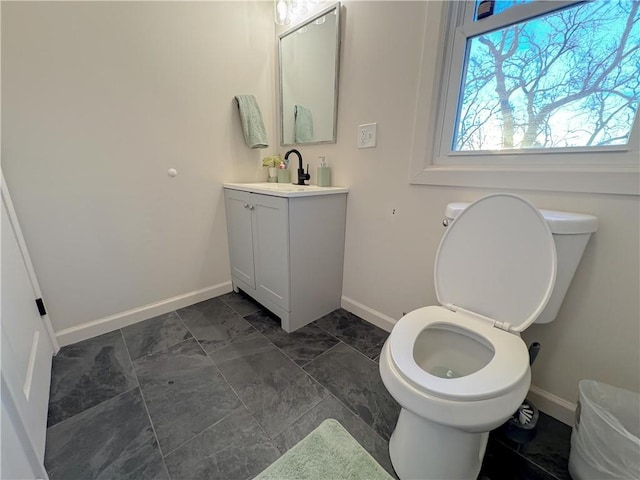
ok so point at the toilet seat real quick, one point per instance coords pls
(508, 366)
(494, 273)
(497, 259)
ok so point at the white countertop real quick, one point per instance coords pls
(285, 189)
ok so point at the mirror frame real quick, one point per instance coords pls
(336, 7)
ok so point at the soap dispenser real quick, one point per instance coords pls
(324, 174)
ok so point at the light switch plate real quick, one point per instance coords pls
(367, 135)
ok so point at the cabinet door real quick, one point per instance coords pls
(271, 247)
(240, 233)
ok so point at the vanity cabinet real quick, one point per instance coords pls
(257, 227)
(287, 252)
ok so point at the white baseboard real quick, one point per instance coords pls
(551, 404)
(94, 328)
(369, 314)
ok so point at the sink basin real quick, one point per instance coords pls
(289, 187)
(285, 189)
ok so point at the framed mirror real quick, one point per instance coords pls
(309, 57)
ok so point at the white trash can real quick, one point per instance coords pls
(605, 441)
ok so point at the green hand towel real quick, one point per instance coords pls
(303, 124)
(253, 129)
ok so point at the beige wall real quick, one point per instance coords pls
(100, 99)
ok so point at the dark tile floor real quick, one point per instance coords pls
(218, 390)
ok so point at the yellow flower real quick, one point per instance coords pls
(273, 161)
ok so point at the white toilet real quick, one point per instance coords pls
(461, 369)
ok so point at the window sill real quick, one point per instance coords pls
(623, 180)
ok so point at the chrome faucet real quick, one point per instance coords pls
(301, 175)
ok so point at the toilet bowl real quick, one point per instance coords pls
(460, 369)
(462, 382)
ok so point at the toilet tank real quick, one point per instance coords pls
(571, 232)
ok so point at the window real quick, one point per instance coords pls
(534, 94)
(568, 78)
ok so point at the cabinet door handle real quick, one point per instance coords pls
(251, 207)
(246, 205)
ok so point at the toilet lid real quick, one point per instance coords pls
(497, 259)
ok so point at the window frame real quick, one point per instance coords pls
(609, 169)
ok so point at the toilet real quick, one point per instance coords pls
(460, 369)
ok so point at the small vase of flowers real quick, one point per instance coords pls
(272, 163)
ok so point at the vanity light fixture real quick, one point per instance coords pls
(286, 11)
(281, 12)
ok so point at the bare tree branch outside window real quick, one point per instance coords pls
(569, 78)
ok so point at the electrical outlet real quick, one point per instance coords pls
(367, 135)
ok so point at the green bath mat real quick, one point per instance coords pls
(329, 452)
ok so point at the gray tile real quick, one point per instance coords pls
(241, 303)
(301, 346)
(358, 385)
(550, 447)
(235, 448)
(88, 373)
(154, 334)
(332, 408)
(501, 462)
(214, 323)
(354, 331)
(184, 392)
(111, 440)
(273, 388)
